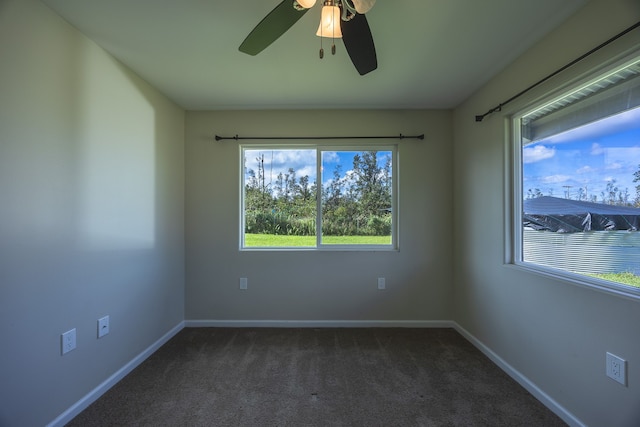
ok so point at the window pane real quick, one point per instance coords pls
(581, 191)
(279, 197)
(357, 200)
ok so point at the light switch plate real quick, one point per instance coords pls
(103, 326)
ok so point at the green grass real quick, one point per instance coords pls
(265, 240)
(357, 240)
(262, 240)
(624, 278)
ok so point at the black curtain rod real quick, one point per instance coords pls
(238, 138)
(559, 70)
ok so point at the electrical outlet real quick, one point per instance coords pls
(68, 341)
(617, 368)
(382, 283)
(103, 326)
(243, 283)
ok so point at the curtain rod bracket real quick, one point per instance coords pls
(493, 110)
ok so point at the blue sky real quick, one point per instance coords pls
(303, 161)
(586, 157)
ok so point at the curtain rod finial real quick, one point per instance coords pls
(479, 118)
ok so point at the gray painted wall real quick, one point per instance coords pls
(318, 285)
(553, 332)
(91, 213)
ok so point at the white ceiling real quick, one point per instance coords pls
(431, 53)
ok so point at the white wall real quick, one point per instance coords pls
(334, 286)
(553, 332)
(91, 213)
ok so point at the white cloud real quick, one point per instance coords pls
(537, 153)
(585, 169)
(613, 166)
(278, 161)
(555, 179)
(288, 157)
(330, 156)
(620, 157)
(596, 149)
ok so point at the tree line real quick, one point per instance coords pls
(611, 195)
(356, 203)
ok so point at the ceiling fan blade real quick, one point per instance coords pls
(275, 24)
(358, 41)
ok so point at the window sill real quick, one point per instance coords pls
(329, 248)
(592, 283)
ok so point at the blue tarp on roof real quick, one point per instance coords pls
(571, 216)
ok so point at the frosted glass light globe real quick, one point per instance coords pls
(330, 23)
(306, 3)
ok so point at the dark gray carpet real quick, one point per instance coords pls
(317, 377)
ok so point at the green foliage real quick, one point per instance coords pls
(626, 278)
(379, 226)
(279, 223)
(355, 205)
(611, 195)
(636, 178)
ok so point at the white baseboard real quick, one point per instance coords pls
(543, 397)
(94, 394)
(318, 324)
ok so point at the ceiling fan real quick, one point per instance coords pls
(353, 29)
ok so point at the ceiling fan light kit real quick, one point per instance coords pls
(363, 6)
(330, 21)
(339, 19)
(305, 4)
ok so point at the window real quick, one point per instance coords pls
(577, 177)
(319, 197)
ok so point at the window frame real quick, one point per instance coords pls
(514, 192)
(319, 149)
